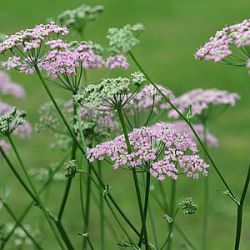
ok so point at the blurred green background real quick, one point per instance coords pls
(174, 30)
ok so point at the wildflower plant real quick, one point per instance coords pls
(93, 125)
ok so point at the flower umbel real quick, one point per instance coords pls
(229, 45)
(124, 39)
(166, 151)
(199, 100)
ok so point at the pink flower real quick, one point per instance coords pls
(166, 150)
(201, 99)
(29, 39)
(182, 127)
(219, 47)
(118, 61)
(148, 97)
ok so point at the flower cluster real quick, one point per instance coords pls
(70, 168)
(30, 39)
(188, 206)
(124, 39)
(149, 97)
(99, 121)
(7, 87)
(92, 122)
(182, 127)
(77, 19)
(199, 100)
(66, 59)
(26, 46)
(107, 93)
(219, 47)
(11, 121)
(167, 152)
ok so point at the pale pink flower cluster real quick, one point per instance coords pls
(218, 47)
(148, 97)
(7, 87)
(167, 151)
(182, 127)
(21, 64)
(118, 61)
(62, 60)
(29, 39)
(23, 131)
(198, 100)
(100, 119)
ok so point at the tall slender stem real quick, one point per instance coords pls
(137, 188)
(67, 188)
(206, 192)
(146, 204)
(190, 125)
(21, 218)
(101, 206)
(87, 202)
(47, 216)
(240, 211)
(8, 209)
(19, 178)
(83, 151)
(172, 211)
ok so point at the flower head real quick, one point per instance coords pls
(188, 206)
(182, 127)
(13, 121)
(149, 97)
(77, 19)
(223, 46)
(26, 46)
(107, 93)
(66, 59)
(29, 39)
(121, 40)
(199, 100)
(166, 151)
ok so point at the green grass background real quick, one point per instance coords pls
(174, 30)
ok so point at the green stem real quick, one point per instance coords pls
(136, 183)
(8, 209)
(153, 227)
(47, 216)
(117, 220)
(240, 211)
(172, 209)
(168, 239)
(184, 237)
(21, 218)
(189, 124)
(101, 211)
(83, 151)
(206, 193)
(87, 208)
(165, 209)
(65, 198)
(67, 189)
(19, 178)
(146, 203)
